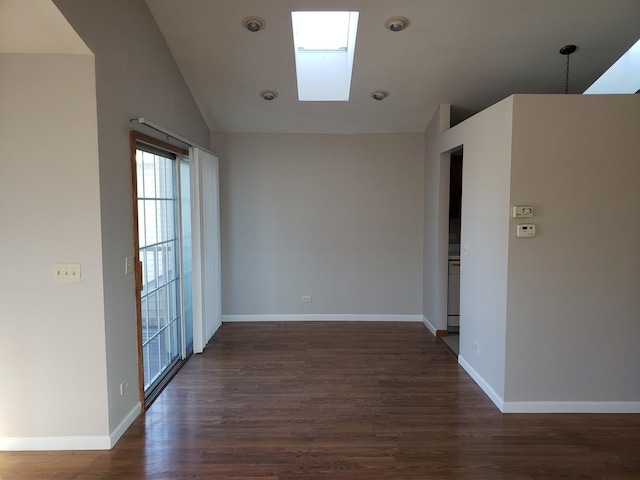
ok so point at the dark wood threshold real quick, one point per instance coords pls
(446, 345)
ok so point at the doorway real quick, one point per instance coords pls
(452, 339)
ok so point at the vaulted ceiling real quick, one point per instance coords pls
(467, 53)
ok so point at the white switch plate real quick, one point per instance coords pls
(66, 272)
(465, 250)
(526, 230)
(128, 265)
(522, 211)
(306, 299)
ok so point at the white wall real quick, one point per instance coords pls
(337, 217)
(574, 301)
(53, 373)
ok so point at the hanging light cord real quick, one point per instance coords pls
(567, 50)
(566, 83)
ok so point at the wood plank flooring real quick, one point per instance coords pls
(316, 401)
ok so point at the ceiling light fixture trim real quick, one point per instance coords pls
(397, 24)
(379, 95)
(268, 95)
(253, 24)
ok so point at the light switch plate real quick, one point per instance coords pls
(128, 265)
(66, 272)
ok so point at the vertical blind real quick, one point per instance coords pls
(205, 218)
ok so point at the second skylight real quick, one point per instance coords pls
(324, 47)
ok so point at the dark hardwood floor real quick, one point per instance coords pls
(319, 401)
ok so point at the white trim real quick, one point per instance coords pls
(124, 424)
(430, 326)
(166, 131)
(482, 383)
(571, 407)
(321, 318)
(17, 444)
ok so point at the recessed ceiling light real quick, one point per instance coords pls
(253, 24)
(268, 94)
(397, 24)
(379, 95)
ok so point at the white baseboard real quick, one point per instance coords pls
(124, 425)
(482, 383)
(321, 318)
(545, 406)
(17, 444)
(429, 325)
(571, 407)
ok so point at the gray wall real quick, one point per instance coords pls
(556, 316)
(486, 138)
(52, 340)
(435, 223)
(574, 290)
(135, 76)
(337, 217)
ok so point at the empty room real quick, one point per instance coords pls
(311, 239)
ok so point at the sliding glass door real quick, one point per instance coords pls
(164, 252)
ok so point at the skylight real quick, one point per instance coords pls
(622, 77)
(324, 47)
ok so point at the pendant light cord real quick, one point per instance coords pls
(567, 50)
(566, 83)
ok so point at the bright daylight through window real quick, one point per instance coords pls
(622, 77)
(324, 48)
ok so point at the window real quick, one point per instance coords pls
(622, 77)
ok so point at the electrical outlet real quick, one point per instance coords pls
(476, 345)
(306, 299)
(123, 387)
(66, 272)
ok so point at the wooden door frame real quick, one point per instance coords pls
(134, 139)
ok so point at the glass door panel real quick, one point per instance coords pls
(187, 269)
(158, 252)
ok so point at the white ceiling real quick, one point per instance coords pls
(467, 53)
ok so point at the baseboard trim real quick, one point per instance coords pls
(321, 318)
(430, 326)
(17, 444)
(21, 444)
(482, 383)
(571, 407)
(124, 424)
